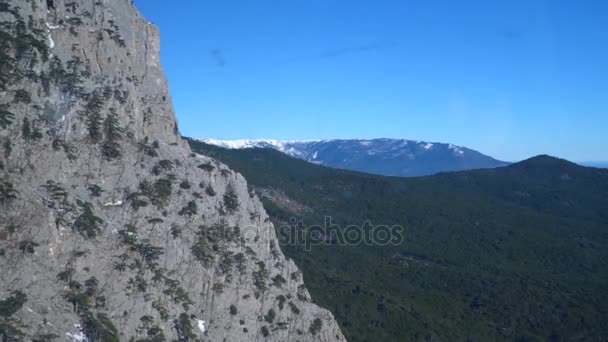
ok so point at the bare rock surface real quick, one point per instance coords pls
(110, 228)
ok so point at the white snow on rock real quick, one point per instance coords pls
(201, 325)
(51, 41)
(77, 337)
(457, 149)
(113, 204)
(51, 27)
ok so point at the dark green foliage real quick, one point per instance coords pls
(183, 326)
(233, 310)
(162, 311)
(95, 190)
(29, 131)
(110, 148)
(153, 332)
(28, 246)
(282, 301)
(45, 337)
(56, 191)
(90, 286)
(240, 262)
(8, 307)
(226, 262)
(185, 185)
(207, 167)
(260, 276)
(177, 293)
(202, 251)
(80, 301)
(278, 280)
(155, 220)
(128, 234)
(150, 254)
(12, 304)
(270, 316)
(163, 165)
(158, 193)
(66, 275)
(87, 224)
(176, 232)
(315, 326)
(513, 253)
(209, 190)
(68, 148)
(99, 327)
(265, 331)
(148, 150)
(94, 123)
(93, 119)
(231, 200)
(7, 191)
(8, 148)
(162, 191)
(190, 209)
(136, 200)
(22, 96)
(120, 266)
(137, 283)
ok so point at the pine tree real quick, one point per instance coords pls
(26, 130)
(29, 131)
(7, 192)
(94, 121)
(6, 117)
(113, 132)
(112, 128)
(94, 126)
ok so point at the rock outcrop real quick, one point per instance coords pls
(110, 228)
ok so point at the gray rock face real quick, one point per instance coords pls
(110, 229)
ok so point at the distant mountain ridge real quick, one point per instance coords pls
(487, 255)
(388, 157)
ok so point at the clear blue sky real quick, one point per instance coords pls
(509, 78)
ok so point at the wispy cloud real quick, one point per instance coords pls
(336, 52)
(218, 57)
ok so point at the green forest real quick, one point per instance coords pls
(514, 254)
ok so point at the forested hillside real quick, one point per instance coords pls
(514, 253)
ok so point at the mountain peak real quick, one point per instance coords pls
(384, 156)
(545, 161)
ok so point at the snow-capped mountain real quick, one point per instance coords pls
(390, 157)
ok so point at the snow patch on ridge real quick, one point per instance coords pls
(457, 149)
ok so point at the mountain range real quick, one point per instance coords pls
(515, 253)
(388, 157)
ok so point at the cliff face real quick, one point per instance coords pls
(110, 228)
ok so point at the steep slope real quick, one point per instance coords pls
(110, 228)
(388, 157)
(513, 253)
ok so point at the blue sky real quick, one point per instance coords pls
(509, 78)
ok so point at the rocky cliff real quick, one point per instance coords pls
(110, 228)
